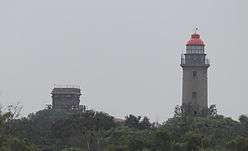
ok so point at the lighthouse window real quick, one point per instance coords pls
(194, 74)
(194, 95)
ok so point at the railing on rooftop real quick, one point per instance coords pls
(66, 86)
(205, 62)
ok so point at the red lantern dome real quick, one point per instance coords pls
(195, 40)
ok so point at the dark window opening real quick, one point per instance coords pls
(194, 95)
(194, 74)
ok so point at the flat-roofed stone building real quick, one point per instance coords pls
(66, 97)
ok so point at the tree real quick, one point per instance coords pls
(238, 144)
(212, 111)
(89, 130)
(15, 144)
(145, 123)
(178, 111)
(244, 124)
(193, 141)
(132, 121)
(137, 122)
(161, 140)
(8, 142)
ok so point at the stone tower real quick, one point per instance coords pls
(195, 82)
(66, 97)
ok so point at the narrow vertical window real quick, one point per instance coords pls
(194, 95)
(194, 74)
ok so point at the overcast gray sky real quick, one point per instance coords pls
(125, 54)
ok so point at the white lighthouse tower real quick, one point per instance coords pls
(195, 79)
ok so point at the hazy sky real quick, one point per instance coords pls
(125, 54)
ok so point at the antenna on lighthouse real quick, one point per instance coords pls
(196, 29)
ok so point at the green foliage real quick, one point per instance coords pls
(81, 128)
(56, 130)
(71, 149)
(161, 140)
(15, 144)
(238, 144)
(89, 130)
(212, 111)
(7, 141)
(137, 122)
(244, 124)
(123, 138)
(193, 141)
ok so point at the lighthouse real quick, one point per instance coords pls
(195, 77)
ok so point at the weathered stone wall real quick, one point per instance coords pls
(66, 98)
(195, 89)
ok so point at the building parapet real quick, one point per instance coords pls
(190, 62)
(66, 86)
(66, 89)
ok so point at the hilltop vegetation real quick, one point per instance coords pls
(49, 130)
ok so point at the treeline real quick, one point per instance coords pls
(88, 130)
